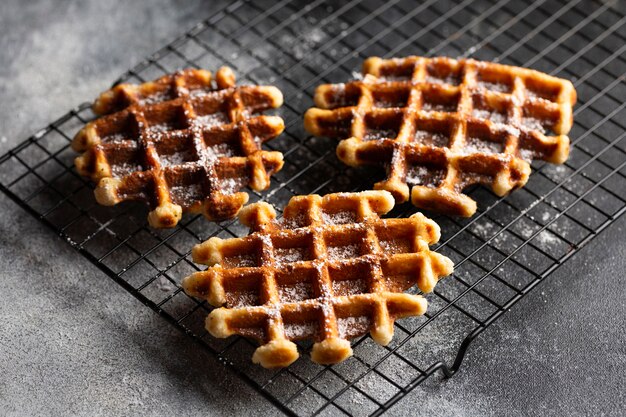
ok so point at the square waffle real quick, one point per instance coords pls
(181, 143)
(439, 125)
(331, 269)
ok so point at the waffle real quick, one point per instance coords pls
(328, 271)
(439, 125)
(181, 143)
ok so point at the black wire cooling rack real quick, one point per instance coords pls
(505, 250)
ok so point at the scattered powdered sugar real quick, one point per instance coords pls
(187, 194)
(300, 330)
(292, 222)
(545, 238)
(388, 246)
(417, 174)
(221, 149)
(377, 134)
(155, 98)
(498, 87)
(440, 107)
(343, 252)
(357, 76)
(532, 123)
(477, 145)
(115, 138)
(294, 293)
(211, 120)
(484, 229)
(243, 299)
(177, 158)
(430, 138)
(349, 287)
(391, 246)
(288, 255)
(304, 43)
(534, 95)
(231, 185)
(161, 127)
(526, 154)
(340, 217)
(386, 104)
(421, 175)
(449, 79)
(349, 326)
(125, 168)
(493, 116)
(164, 284)
(200, 92)
(241, 261)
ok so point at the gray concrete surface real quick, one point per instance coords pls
(74, 343)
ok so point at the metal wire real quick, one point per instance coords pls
(500, 254)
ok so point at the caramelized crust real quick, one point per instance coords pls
(181, 143)
(331, 269)
(439, 125)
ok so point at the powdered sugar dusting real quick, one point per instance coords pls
(340, 217)
(391, 247)
(155, 98)
(288, 255)
(187, 194)
(115, 138)
(177, 158)
(440, 107)
(245, 260)
(498, 87)
(164, 284)
(294, 293)
(292, 222)
(125, 168)
(547, 239)
(231, 185)
(532, 123)
(376, 134)
(161, 127)
(349, 287)
(221, 149)
(486, 114)
(211, 120)
(430, 138)
(300, 330)
(526, 154)
(357, 76)
(336, 253)
(349, 326)
(421, 175)
(477, 145)
(243, 299)
(449, 79)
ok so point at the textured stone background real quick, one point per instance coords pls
(73, 342)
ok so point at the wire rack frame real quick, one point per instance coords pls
(500, 254)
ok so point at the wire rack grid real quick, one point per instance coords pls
(500, 254)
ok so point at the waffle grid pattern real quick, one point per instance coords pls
(441, 125)
(181, 144)
(330, 270)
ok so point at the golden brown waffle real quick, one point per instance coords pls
(328, 271)
(181, 143)
(441, 125)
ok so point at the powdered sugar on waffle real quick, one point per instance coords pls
(336, 253)
(477, 145)
(340, 217)
(348, 325)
